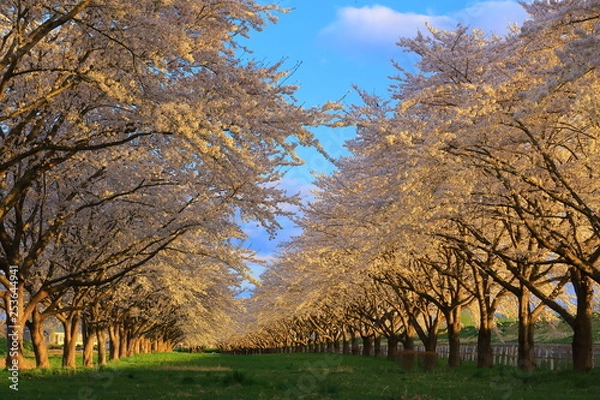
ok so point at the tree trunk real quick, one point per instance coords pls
(330, 346)
(148, 347)
(322, 347)
(526, 343)
(336, 346)
(430, 342)
(101, 336)
(88, 344)
(137, 348)
(161, 345)
(40, 348)
(123, 342)
(71, 327)
(454, 328)
(582, 326)
(367, 345)
(114, 342)
(377, 346)
(485, 353)
(392, 349)
(355, 344)
(345, 344)
(408, 342)
(131, 345)
(165, 346)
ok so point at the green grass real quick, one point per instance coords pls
(292, 376)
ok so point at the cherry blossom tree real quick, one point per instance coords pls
(476, 181)
(140, 117)
(505, 106)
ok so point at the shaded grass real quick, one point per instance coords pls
(293, 376)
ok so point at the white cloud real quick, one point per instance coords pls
(492, 16)
(377, 28)
(294, 187)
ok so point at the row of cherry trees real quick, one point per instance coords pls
(134, 138)
(474, 187)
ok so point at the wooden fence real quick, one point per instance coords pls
(548, 356)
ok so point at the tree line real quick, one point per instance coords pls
(135, 138)
(473, 186)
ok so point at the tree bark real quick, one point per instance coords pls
(88, 343)
(583, 341)
(377, 346)
(430, 342)
(138, 345)
(101, 336)
(147, 346)
(408, 342)
(354, 344)
(526, 343)
(485, 354)
(454, 328)
(322, 347)
(336, 346)
(40, 348)
(346, 344)
(367, 345)
(392, 349)
(330, 345)
(71, 327)
(131, 345)
(123, 342)
(114, 342)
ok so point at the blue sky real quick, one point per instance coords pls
(340, 43)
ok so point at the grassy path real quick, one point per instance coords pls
(292, 376)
